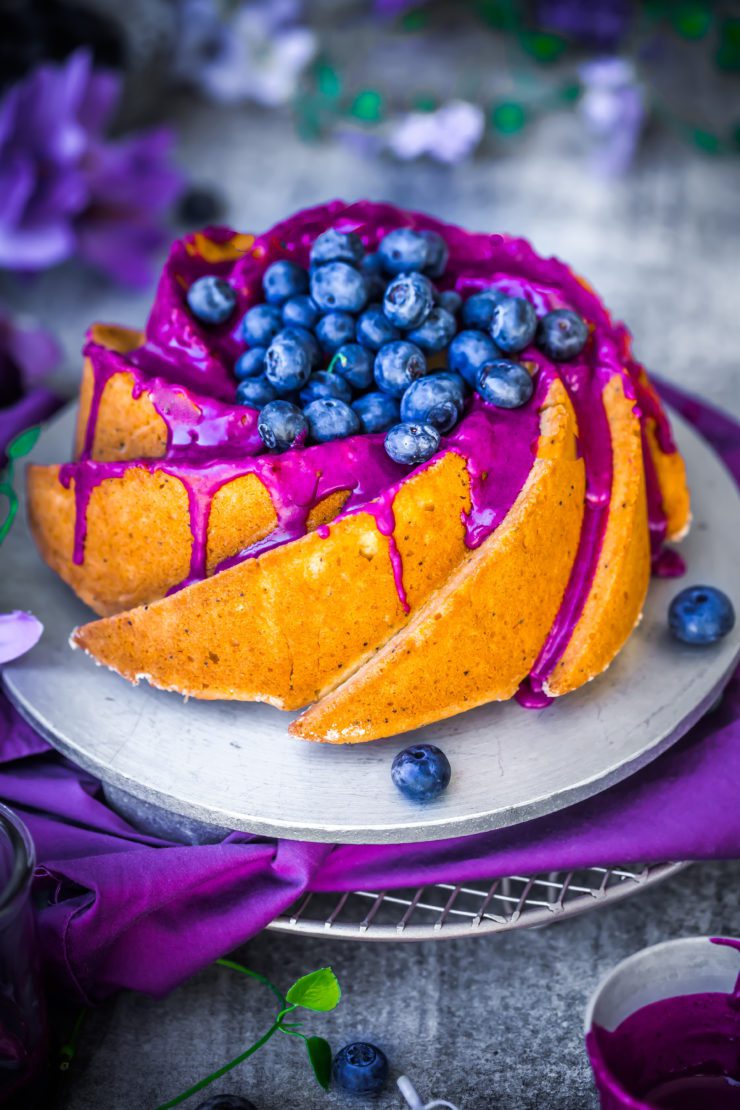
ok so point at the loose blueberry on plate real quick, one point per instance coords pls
(282, 425)
(300, 310)
(251, 364)
(287, 362)
(701, 615)
(260, 324)
(377, 411)
(211, 300)
(374, 328)
(412, 444)
(282, 280)
(451, 300)
(334, 330)
(432, 400)
(360, 1068)
(408, 300)
(397, 365)
(435, 333)
(505, 383)
(437, 254)
(355, 364)
(421, 772)
(403, 251)
(322, 385)
(562, 334)
(255, 392)
(513, 324)
(337, 286)
(226, 1102)
(337, 246)
(330, 419)
(468, 351)
(478, 310)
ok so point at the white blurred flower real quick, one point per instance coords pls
(449, 134)
(612, 108)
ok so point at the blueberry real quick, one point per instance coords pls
(513, 324)
(412, 444)
(461, 386)
(701, 615)
(338, 286)
(287, 362)
(307, 338)
(374, 328)
(331, 419)
(372, 268)
(408, 300)
(372, 263)
(251, 364)
(436, 331)
(226, 1102)
(437, 254)
(281, 425)
(361, 1068)
(322, 384)
(255, 392)
(451, 300)
(337, 246)
(355, 364)
(377, 411)
(282, 280)
(335, 329)
(562, 334)
(397, 365)
(505, 383)
(478, 310)
(260, 324)
(403, 251)
(421, 772)
(211, 300)
(300, 310)
(432, 400)
(468, 351)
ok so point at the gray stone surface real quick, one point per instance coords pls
(492, 1023)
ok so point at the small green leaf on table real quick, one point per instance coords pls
(318, 991)
(24, 442)
(319, 1053)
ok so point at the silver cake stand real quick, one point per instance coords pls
(194, 770)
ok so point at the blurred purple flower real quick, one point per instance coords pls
(19, 632)
(65, 189)
(612, 108)
(28, 353)
(396, 7)
(449, 134)
(601, 24)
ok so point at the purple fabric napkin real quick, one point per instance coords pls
(122, 909)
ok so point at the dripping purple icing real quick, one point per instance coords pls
(185, 370)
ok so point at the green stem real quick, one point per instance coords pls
(221, 1071)
(68, 1050)
(254, 975)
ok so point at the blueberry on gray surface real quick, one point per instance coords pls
(468, 351)
(355, 364)
(255, 392)
(436, 332)
(478, 310)
(251, 364)
(397, 365)
(374, 328)
(361, 1068)
(408, 300)
(335, 329)
(260, 324)
(282, 425)
(403, 251)
(211, 300)
(339, 286)
(504, 383)
(701, 615)
(226, 1102)
(288, 361)
(330, 419)
(421, 772)
(434, 400)
(437, 254)
(412, 444)
(322, 384)
(377, 411)
(513, 324)
(337, 246)
(300, 310)
(284, 279)
(562, 334)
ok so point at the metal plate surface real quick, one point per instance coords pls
(233, 765)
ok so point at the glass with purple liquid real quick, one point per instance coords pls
(23, 1040)
(663, 1028)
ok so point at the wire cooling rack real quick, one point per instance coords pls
(443, 910)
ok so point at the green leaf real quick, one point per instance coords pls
(542, 45)
(319, 1053)
(368, 106)
(318, 991)
(328, 81)
(508, 117)
(692, 21)
(24, 442)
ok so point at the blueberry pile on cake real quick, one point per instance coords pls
(365, 463)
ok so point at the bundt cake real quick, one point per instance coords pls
(366, 463)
